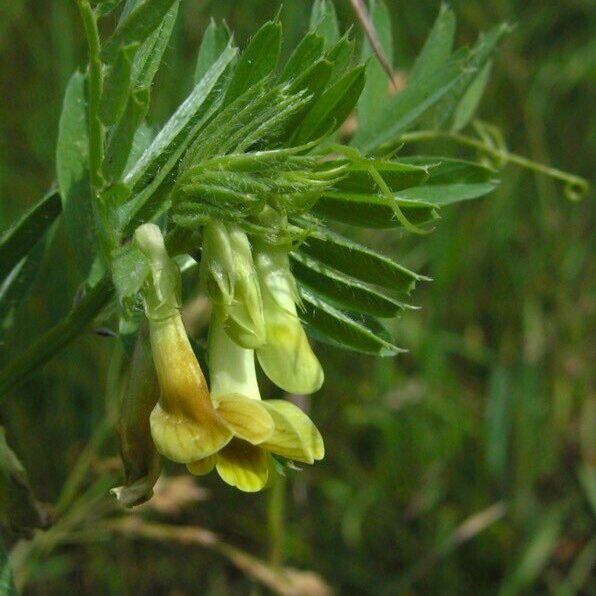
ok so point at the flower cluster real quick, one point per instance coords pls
(226, 426)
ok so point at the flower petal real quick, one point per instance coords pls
(243, 465)
(202, 467)
(295, 435)
(247, 418)
(184, 439)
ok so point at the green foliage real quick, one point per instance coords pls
(136, 27)
(332, 107)
(323, 20)
(72, 166)
(377, 81)
(438, 84)
(418, 450)
(360, 262)
(17, 241)
(133, 89)
(256, 62)
(214, 42)
(339, 329)
(343, 291)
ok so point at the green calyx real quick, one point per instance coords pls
(229, 276)
(162, 294)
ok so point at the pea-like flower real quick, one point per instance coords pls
(287, 358)
(186, 425)
(245, 463)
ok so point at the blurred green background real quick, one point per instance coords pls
(463, 467)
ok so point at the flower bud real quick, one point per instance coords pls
(286, 358)
(228, 273)
(184, 424)
(141, 459)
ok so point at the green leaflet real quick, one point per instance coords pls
(142, 20)
(343, 330)
(359, 261)
(72, 155)
(332, 107)
(404, 109)
(143, 70)
(117, 86)
(480, 54)
(446, 194)
(15, 286)
(341, 55)
(306, 53)
(22, 236)
(374, 211)
(376, 88)
(121, 140)
(141, 140)
(449, 170)
(151, 171)
(257, 61)
(450, 180)
(468, 104)
(215, 40)
(314, 79)
(150, 54)
(323, 20)
(341, 290)
(437, 48)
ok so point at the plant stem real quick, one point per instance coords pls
(276, 521)
(96, 130)
(575, 185)
(57, 337)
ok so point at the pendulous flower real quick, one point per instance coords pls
(184, 424)
(245, 462)
(287, 358)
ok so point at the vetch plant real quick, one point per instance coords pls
(253, 188)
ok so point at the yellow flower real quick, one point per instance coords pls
(287, 358)
(184, 424)
(244, 462)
